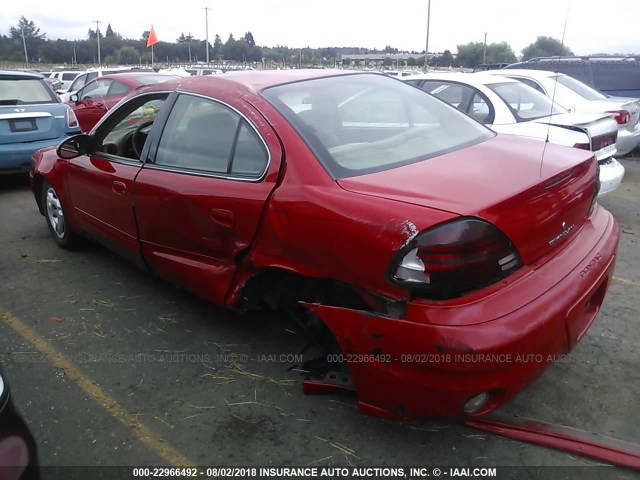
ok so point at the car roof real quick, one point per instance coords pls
(524, 71)
(18, 74)
(476, 79)
(248, 81)
(133, 75)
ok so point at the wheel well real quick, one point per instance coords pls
(37, 191)
(275, 288)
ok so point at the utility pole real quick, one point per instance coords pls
(24, 44)
(484, 52)
(98, 22)
(206, 30)
(426, 50)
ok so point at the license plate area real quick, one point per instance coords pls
(18, 125)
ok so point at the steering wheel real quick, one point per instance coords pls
(139, 137)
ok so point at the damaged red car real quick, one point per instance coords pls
(442, 266)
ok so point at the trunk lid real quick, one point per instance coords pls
(631, 105)
(601, 128)
(32, 123)
(538, 204)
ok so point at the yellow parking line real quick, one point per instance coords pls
(626, 281)
(139, 430)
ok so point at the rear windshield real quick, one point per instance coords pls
(580, 88)
(25, 91)
(365, 123)
(525, 103)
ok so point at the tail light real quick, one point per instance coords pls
(455, 258)
(72, 120)
(621, 116)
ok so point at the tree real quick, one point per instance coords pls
(127, 55)
(218, 47)
(91, 34)
(545, 47)
(31, 32)
(472, 54)
(248, 37)
(500, 53)
(110, 33)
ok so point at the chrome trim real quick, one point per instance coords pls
(11, 116)
(202, 173)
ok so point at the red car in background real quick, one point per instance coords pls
(92, 101)
(442, 266)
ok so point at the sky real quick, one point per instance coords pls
(592, 26)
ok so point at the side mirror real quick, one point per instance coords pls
(75, 146)
(73, 98)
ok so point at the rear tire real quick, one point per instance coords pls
(59, 227)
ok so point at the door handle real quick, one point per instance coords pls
(223, 217)
(119, 187)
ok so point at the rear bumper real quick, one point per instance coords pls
(611, 175)
(440, 355)
(16, 157)
(627, 140)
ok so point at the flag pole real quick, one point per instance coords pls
(152, 56)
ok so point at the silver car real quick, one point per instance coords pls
(576, 96)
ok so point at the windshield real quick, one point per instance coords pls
(25, 91)
(365, 123)
(580, 88)
(525, 103)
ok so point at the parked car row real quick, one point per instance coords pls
(512, 107)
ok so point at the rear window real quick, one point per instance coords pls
(365, 123)
(580, 88)
(525, 102)
(25, 91)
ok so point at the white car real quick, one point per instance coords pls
(511, 107)
(64, 76)
(576, 96)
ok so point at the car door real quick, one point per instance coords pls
(117, 91)
(90, 105)
(100, 185)
(200, 196)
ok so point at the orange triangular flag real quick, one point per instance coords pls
(152, 39)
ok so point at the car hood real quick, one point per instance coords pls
(504, 181)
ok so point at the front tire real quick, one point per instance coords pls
(56, 219)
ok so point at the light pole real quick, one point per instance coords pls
(426, 50)
(484, 51)
(24, 44)
(206, 30)
(98, 37)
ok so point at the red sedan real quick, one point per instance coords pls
(93, 100)
(442, 266)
